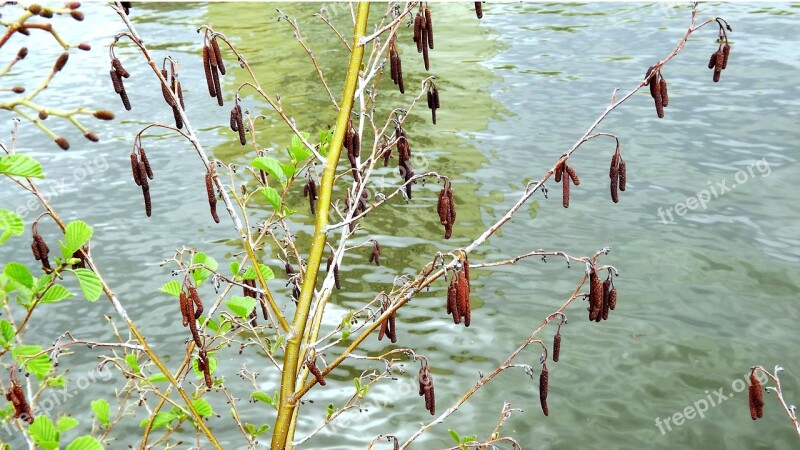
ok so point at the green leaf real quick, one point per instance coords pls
(158, 378)
(85, 443)
(162, 419)
(10, 224)
(20, 166)
(266, 272)
(200, 275)
(56, 293)
(272, 197)
(288, 169)
(132, 362)
(330, 410)
(6, 332)
(77, 235)
(270, 165)
(235, 268)
(66, 423)
(455, 436)
(90, 284)
(241, 306)
(55, 381)
(261, 397)
(212, 366)
(44, 433)
(297, 150)
(102, 411)
(203, 407)
(172, 288)
(472, 438)
(19, 274)
(39, 366)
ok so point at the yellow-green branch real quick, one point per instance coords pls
(291, 363)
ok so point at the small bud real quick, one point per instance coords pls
(22, 53)
(43, 114)
(84, 46)
(91, 136)
(63, 143)
(77, 15)
(61, 62)
(104, 114)
(18, 89)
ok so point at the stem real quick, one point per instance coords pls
(290, 363)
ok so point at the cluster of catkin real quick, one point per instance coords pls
(388, 326)
(433, 101)
(16, 395)
(140, 167)
(423, 33)
(395, 65)
(426, 387)
(602, 296)
(658, 89)
(756, 397)
(404, 158)
(211, 193)
(191, 309)
(214, 67)
(458, 302)
(446, 207)
(173, 84)
(337, 280)
(117, 74)
(375, 256)
(40, 248)
(310, 191)
(565, 174)
(237, 122)
(352, 142)
(719, 59)
(618, 175)
(204, 366)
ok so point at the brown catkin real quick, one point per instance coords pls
(726, 51)
(557, 346)
(84, 46)
(117, 65)
(148, 206)
(63, 143)
(176, 113)
(452, 305)
(212, 196)
(595, 295)
(606, 298)
(664, 94)
(198, 304)
(573, 176)
(418, 32)
(392, 329)
(559, 172)
(718, 59)
(22, 53)
(337, 279)
(436, 103)
(240, 125)
(312, 367)
(218, 56)
(565, 190)
(443, 206)
(143, 157)
(116, 81)
(207, 67)
(184, 304)
(217, 88)
(61, 62)
(612, 298)
(135, 169)
(756, 397)
(126, 102)
(613, 170)
(543, 384)
(18, 89)
(429, 26)
(72, 5)
(479, 10)
(712, 61)
(462, 297)
(655, 92)
(425, 58)
(400, 84)
(165, 89)
(623, 175)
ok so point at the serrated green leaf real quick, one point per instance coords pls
(39, 366)
(90, 284)
(261, 397)
(270, 165)
(66, 423)
(56, 381)
(201, 275)
(288, 169)
(19, 273)
(56, 293)
(158, 378)
(77, 234)
(272, 197)
(266, 272)
(102, 411)
(132, 362)
(234, 268)
(161, 419)
(10, 225)
(20, 166)
(202, 407)
(172, 288)
(44, 433)
(85, 443)
(241, 306)
(7, 332)
(297, 150)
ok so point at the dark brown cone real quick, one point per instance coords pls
(429, 27)
(595, 296)
(612, 298)
(135, 169)
(712, 61)
(557, 346)
(330, 261)
(573, 176)
(35, 249)
(126, 102)
(207, 67)
(148, 206)
(623, 176)
(425, 58)
(479, 10)
(117, 65)
(606, 298)
(116, 81)
(559, 172)
(655, 92)
(565, 191)
(77, 15)
(84, 46)
(61, 62)
(22, 53)
(184, 304)
(212, 196)
(336, 277)
(312, 367)
(664, 94)
(756, 397)
(543, 382)
(384, 328)
(429, 97)
(233, 122)
(217, 89)
(218, 56)
(240, 127)
(20, 90)
(264, 312)
(452, 209)
(143, 158)
(177, 115)
(62, 143)
(418, 32)
(726, 51)
(165, 89)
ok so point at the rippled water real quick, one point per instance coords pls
(701, 299)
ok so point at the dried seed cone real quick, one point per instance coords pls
(177, 115)
(726, 51)
(61, 62)
(207, 67)
(117, 65)
(218, 56)
(198, 304)
(212, 197)
(436, 103)
(312, 367)
(756, 397)
(557, 346)
(452, 300)
(135, 169)
(595, 295)
(565, 191)
(425, 58)
(623, 175)
(612, 298)
(543, 384)
(573, 176)
(429, 27)
(719, 58)
(62, 143)
(443, 207)
(613, 169)
(664, 93)
(391, 331)
(479, 10)
(146, 163)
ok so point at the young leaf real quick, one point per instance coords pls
(266, 272)
(297, 150)
(90, 284)
(212, 366)
(200, 275)
(85, 443)
(241, 306)
(172, 288)
(77, 235)
(132, 362)
(44, 433)
(272, 197)
(261, 397)
(19, 273)
(203, 407)
(39, 366)
(10, 224)
(20, 166)
(56, 293)
(66, 423)
(158, 378)
(455, 436)
(270, 165)
(6, 332)
(102, 411)
(162, 419)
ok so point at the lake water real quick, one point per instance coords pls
(701, 298)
